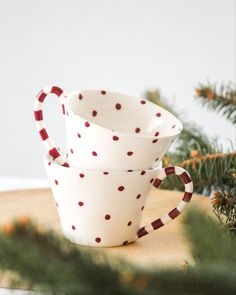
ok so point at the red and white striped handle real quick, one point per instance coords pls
(38, 115)
(188, 185)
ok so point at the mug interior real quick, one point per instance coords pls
(123, 113)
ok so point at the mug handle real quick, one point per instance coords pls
(38, 116)
(188, 190)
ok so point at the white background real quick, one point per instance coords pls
(125, 45)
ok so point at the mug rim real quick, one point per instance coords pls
(68, 96)
(48, 159)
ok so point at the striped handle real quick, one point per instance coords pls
(38, 115)
(188, 185)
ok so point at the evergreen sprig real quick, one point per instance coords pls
(46, 262)
(221, 99)
(192, 141)
(195, 151)
(207, 172)
(192, 136)
(224, 205)
(52, 265)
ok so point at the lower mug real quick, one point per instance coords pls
(104, 208)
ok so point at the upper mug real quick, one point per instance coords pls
(109, 131)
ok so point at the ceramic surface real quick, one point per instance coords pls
(107, 130)
(104, 208)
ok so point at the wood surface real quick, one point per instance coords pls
(164, 247)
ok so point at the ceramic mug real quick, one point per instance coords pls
(107, 130)
(104, 208)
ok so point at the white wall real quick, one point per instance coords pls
(126, 46)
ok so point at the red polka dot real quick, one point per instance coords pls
(71, 150)
(137, 130)
(129, 153)
(142, 172)
(79, 135)
(56, 182)
(138, 196)
(94, 154)
(158, 114)
(81, 175)
(118, 106)
(157, 133)
(115, 138)
(80, 203)
(94, 113)
(107, 216)
(73, 227)
(98, 240)
(86, 124)
(105, 173)
(155, 140)
(103, 92)
(49, 163)
(121, 188)
(173, 126)
(142, 208)
(80, 96)
(151, 181)
(125, 243)
(142, 101)
(129, 223)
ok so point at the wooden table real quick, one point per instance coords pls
(164, 247)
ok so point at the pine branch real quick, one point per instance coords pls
(222, 99)
(207, 171)
(55, 266)
(192, 140)
(50, 264)
(224, 204)
(206, 163)
(209, 242)
(191, 134)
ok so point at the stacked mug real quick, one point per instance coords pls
(115, 144)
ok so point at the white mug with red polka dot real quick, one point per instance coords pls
(104, 208)
(107, 130)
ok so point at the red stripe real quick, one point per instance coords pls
(142, 232)
(187, 197)
(170, 170)
(41, 96)
(157, 183)
(43, 134)
(174, 213)
(38, 115)
(185, 177)
(63, 109)
(157, 223)
(54, 153)
(58, 91)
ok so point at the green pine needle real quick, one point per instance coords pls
(46, 262)
(221, 99)
(210, 243)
